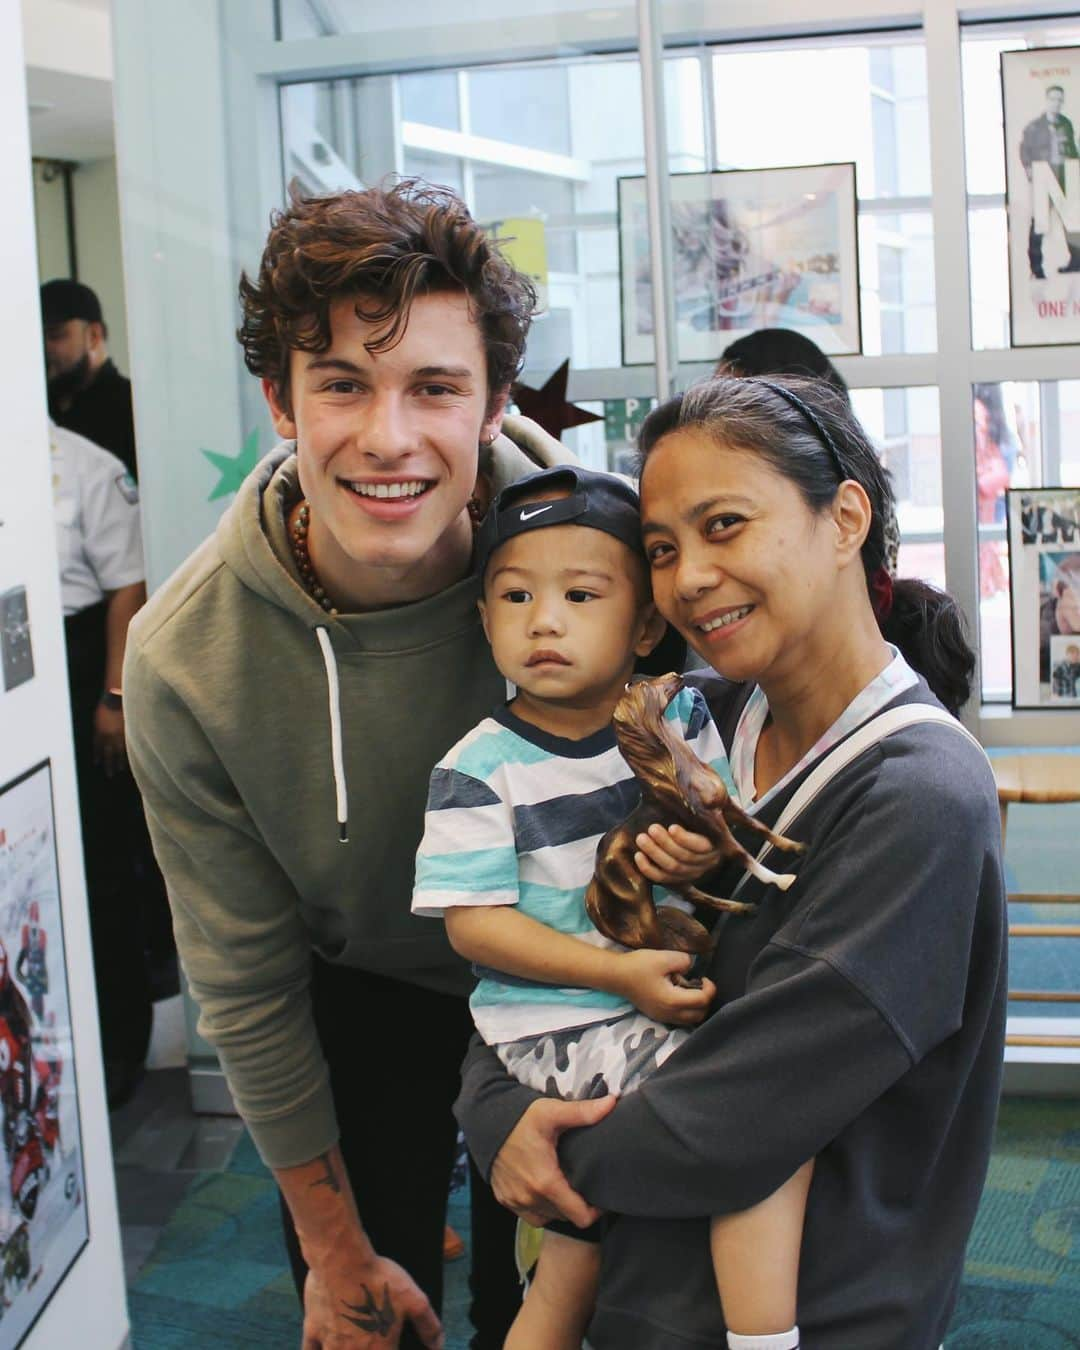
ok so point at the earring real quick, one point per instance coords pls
(476, 512)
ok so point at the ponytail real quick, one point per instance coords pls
(928, 627)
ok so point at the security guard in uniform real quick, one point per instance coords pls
(96, 507)
(87, 393)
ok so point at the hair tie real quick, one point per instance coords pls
(811, 416)
(881, 594)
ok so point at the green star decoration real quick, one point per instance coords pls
(233, 468)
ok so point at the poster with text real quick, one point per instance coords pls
(1044, 579)
(1041, 99)
(43, 1223)
(752, 248)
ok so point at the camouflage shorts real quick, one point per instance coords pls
(594, 1060)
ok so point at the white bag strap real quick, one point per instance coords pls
(876, 729)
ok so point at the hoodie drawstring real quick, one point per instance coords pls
(341, 790)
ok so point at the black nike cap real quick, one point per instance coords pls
(598, 500)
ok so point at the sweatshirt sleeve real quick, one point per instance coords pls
(866, 977)
(239, 934)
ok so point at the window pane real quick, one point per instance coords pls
(500, 192)
(825, 113)
(316, 137)
(1008, 453)
(526, 105)
(431, 97)
(865, 103)
(1026, 435)
(896, 276)
(1068, 437)
(996, 451)
(904, 425)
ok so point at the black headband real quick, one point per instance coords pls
(814, 420)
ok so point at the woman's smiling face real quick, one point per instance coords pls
(740, 564)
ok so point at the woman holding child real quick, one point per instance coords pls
(859, 1016)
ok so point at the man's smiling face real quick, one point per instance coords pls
(387, 448)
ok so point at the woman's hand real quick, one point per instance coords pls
(526, 1176)
(646, 978)
(671, 856)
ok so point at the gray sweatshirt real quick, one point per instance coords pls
(233, 733)
(860, 1021)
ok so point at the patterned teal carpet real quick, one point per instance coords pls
(218, 1278)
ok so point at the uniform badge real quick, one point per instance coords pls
(128, 489)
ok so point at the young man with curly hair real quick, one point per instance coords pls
(288, 691)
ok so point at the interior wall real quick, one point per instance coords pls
(50, 224)
(97, 241)
(97, 237)
(88, 1305)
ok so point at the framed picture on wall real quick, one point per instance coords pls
(43, 1221)
(1044, 580)
(1041, 103)
(753, 248)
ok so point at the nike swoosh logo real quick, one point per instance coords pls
(528, 515)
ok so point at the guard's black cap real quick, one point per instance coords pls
(599, 500)
(64, 299)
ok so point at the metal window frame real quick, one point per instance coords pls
(655, 28)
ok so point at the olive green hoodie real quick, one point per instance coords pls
(283, 757)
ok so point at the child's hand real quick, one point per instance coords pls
(673, 857)
(645, 978)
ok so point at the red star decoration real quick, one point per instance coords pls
(548, 407)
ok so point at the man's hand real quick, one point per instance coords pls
(354, 1299)
(526, 1176)
(110, 750)
(645, 978)
(672, 856)
(365, 1307)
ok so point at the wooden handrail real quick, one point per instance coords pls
(1070, 1042)
(1056, 898)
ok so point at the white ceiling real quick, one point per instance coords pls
(71, 116)
(68, 50)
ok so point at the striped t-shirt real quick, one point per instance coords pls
(514, 816)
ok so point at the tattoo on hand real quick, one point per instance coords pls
(328, 1178)
(370, 1316)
